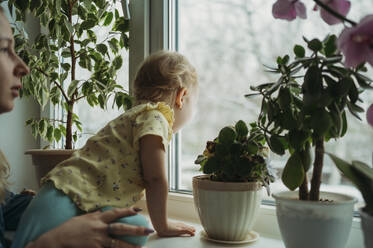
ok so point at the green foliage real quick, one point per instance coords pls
(237, 155)
(69, 41)
(359, 174)
(308, 103)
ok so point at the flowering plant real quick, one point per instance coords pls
(297, 115)
(237, 155)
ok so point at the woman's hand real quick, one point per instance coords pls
(177, 229)
(91, 231)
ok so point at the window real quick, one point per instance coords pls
(229, 42)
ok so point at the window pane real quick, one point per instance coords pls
(229, 42)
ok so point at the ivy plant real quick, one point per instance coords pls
(68, 40)
(307, 106)
(237, 155)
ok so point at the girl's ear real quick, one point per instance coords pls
(181, 93)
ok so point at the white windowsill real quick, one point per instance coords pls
(181, 207)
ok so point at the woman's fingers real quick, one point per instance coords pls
(124, 229)
(116, 243)
(116, 213)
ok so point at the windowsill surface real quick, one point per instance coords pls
(198, 242)
(181, 208)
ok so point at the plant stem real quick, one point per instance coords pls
(70, 112)
(334, 13)
(303, 190)
(317, 169)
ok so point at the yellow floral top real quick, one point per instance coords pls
(107, 170)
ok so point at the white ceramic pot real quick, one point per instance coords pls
(309, 224)
(367, 226)
(45, 160)
(227, 210)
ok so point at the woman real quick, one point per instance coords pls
(92, 230)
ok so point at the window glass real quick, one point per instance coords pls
(229, 42)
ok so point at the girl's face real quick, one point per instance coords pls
(12, 68)
(183, 114)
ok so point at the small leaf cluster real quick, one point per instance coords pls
(68, 40)
(308, 102)
(361, 175)
(237, 155)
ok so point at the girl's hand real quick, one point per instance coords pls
(177, 229)
(91, 231)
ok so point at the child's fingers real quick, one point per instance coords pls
(116, 213)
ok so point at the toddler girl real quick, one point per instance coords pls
(123, 159)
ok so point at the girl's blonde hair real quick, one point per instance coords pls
(161, 75)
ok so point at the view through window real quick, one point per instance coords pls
(229, 42)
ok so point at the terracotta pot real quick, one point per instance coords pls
(367, 226)
(227, 210)
(45, 160)
(310, 224)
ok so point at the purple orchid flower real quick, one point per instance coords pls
(356, 43)
(340, 6)
(370, 115)
(289, 9)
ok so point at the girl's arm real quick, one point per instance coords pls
(153, 155)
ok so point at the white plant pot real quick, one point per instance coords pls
(367, 226)
(227, 210)
(45, 160)
(309, 224)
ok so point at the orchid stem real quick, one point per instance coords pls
(333, 12)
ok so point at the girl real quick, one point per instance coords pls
(122, 159)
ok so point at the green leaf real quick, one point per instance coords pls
(321, 122)
(284, 98)
(87, 24)
(211, 166)
(330, 46)
(306, 157)
(252, 148)
(227, 135)
(72, 87)
(276, 145)
(241, 129)
(102, 48)
(108, 19)
(118, 62)
(34, 4)
(50, 134)
(312, 81)
(57, 134)
(343, 87)
(315, 45)
(42, 126)
(22, 5)
(293, 174)
(299, 51)
(297, 139)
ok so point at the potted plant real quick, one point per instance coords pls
(68, 41)
(361, 175)
(297, 115)
(228, 196)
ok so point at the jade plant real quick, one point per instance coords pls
(237, 155)
(306, 107)
(68, 40)
(361, 175)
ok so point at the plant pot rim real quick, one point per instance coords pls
(204, 182)
(49, 152)
(338, 199)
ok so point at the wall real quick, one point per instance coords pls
(15, 138)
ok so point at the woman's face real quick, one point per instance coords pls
(12, 68)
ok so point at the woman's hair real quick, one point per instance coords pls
(161, 75)
(1, 10)
(4, 174)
